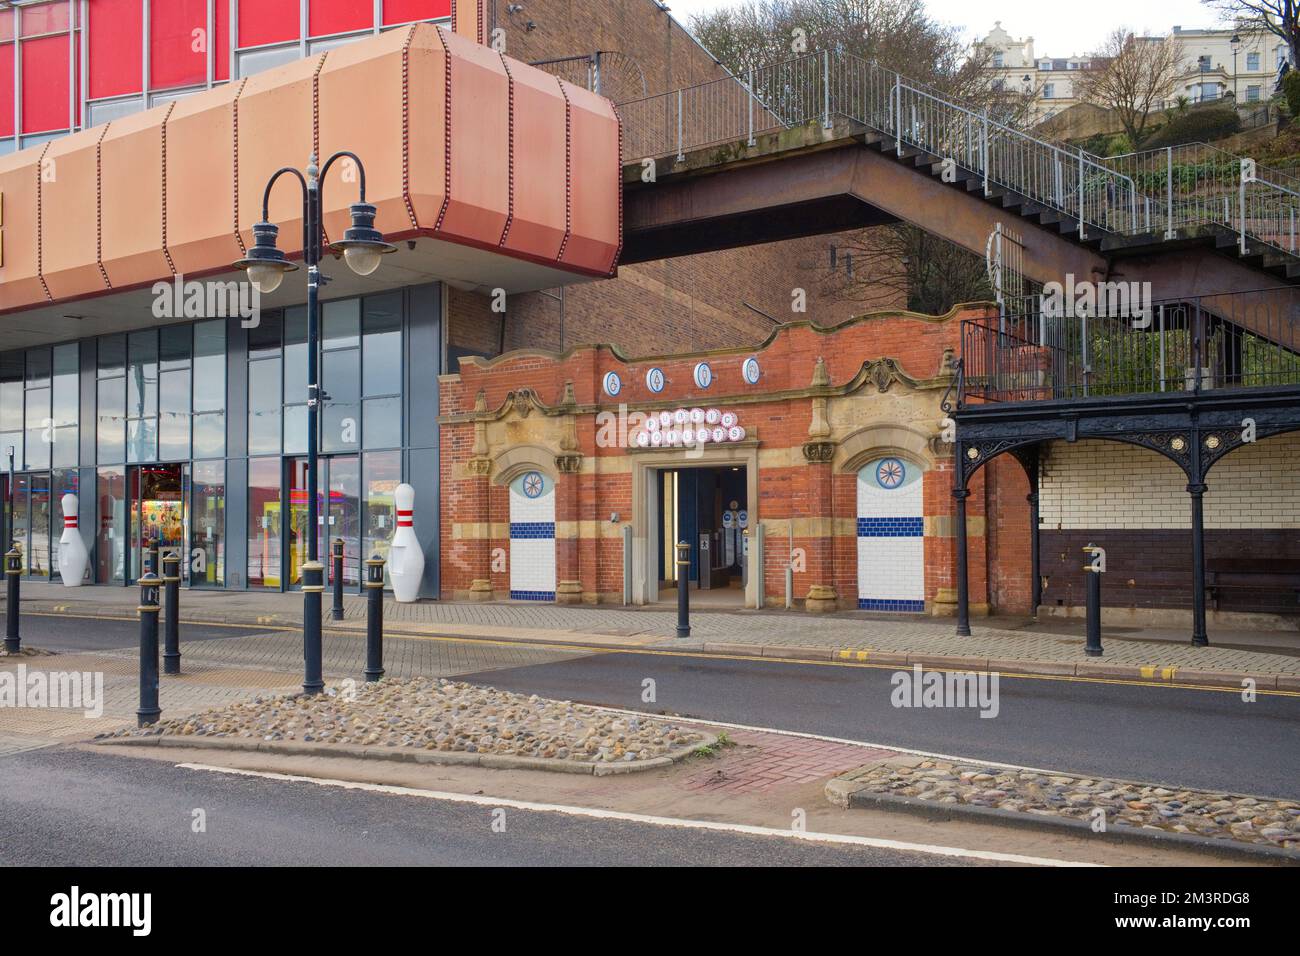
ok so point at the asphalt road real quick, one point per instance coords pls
(73, 808)
(1206, 739)
(57, 632)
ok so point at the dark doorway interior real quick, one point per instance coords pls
(707, 508)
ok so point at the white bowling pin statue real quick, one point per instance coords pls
(73, 556)
(405, 556)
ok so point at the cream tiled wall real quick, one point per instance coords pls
(1100, 484)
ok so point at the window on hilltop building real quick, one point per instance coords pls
(1252, 94)
(1252, 62)
(997, 59)
(1049, 91)
(1202, 63)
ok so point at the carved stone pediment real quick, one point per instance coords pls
(882, 373)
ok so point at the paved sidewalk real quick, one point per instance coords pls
(1052, 647)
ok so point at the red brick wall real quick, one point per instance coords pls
(797, 491)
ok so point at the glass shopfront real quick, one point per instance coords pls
(170, 434)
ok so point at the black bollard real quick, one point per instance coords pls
(683, 589)
(374, 618)
(171, 578)
(313, 584)
(336, 612)
(149, 711)
(13, 571)
(151, 557)
(1092, 573)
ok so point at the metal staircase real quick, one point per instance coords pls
(1193, 192)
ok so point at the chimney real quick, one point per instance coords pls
(469, 18)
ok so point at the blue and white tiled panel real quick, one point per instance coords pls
(532, 538)
(891, 537)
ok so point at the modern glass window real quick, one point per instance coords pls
(11, 409)
(40, 427)
(264, 520)
(295, 381)
(207, 559)
(264, 381)
(381, 371)
(174, 380)
(142, 396)
(341, 376)
(66, 404)
(381, 472)
(209, 410)
(110, 438)
(110, 535)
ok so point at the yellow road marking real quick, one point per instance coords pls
(1147, 671)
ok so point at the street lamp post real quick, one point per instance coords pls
(1235, 43)
(361, 246)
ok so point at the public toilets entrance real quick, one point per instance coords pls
(708, 508)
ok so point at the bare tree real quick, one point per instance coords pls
(1279, 17)
(876, 267)
(1131, 76)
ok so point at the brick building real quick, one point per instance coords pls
(828, 439)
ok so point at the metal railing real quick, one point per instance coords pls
(1160, 192)
(1180, 345)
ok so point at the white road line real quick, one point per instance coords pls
(486, 801)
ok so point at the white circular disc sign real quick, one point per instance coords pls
(654, 380)
(703, 375)
(613, 384)
(750, 370)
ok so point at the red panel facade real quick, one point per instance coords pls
(45, 84)
(7, 89)
(405, 11)
(178, 43)
(44, 18)
(339, 16)
(116, 41)
(268, 21)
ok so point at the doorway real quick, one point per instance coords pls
(708, 508)
(158, 513)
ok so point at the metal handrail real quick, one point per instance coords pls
(1154, 192)
(1189, 344)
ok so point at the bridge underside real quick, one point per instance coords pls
(736, 196)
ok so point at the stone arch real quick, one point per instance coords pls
(882, 440)
(518, 459)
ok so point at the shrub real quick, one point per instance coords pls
(1196, 126)
(1291, 90)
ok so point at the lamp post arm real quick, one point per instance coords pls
(361, 171)
(266, 195)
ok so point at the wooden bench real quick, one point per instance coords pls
(1279, 576)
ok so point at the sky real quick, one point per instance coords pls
(1059, 29)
